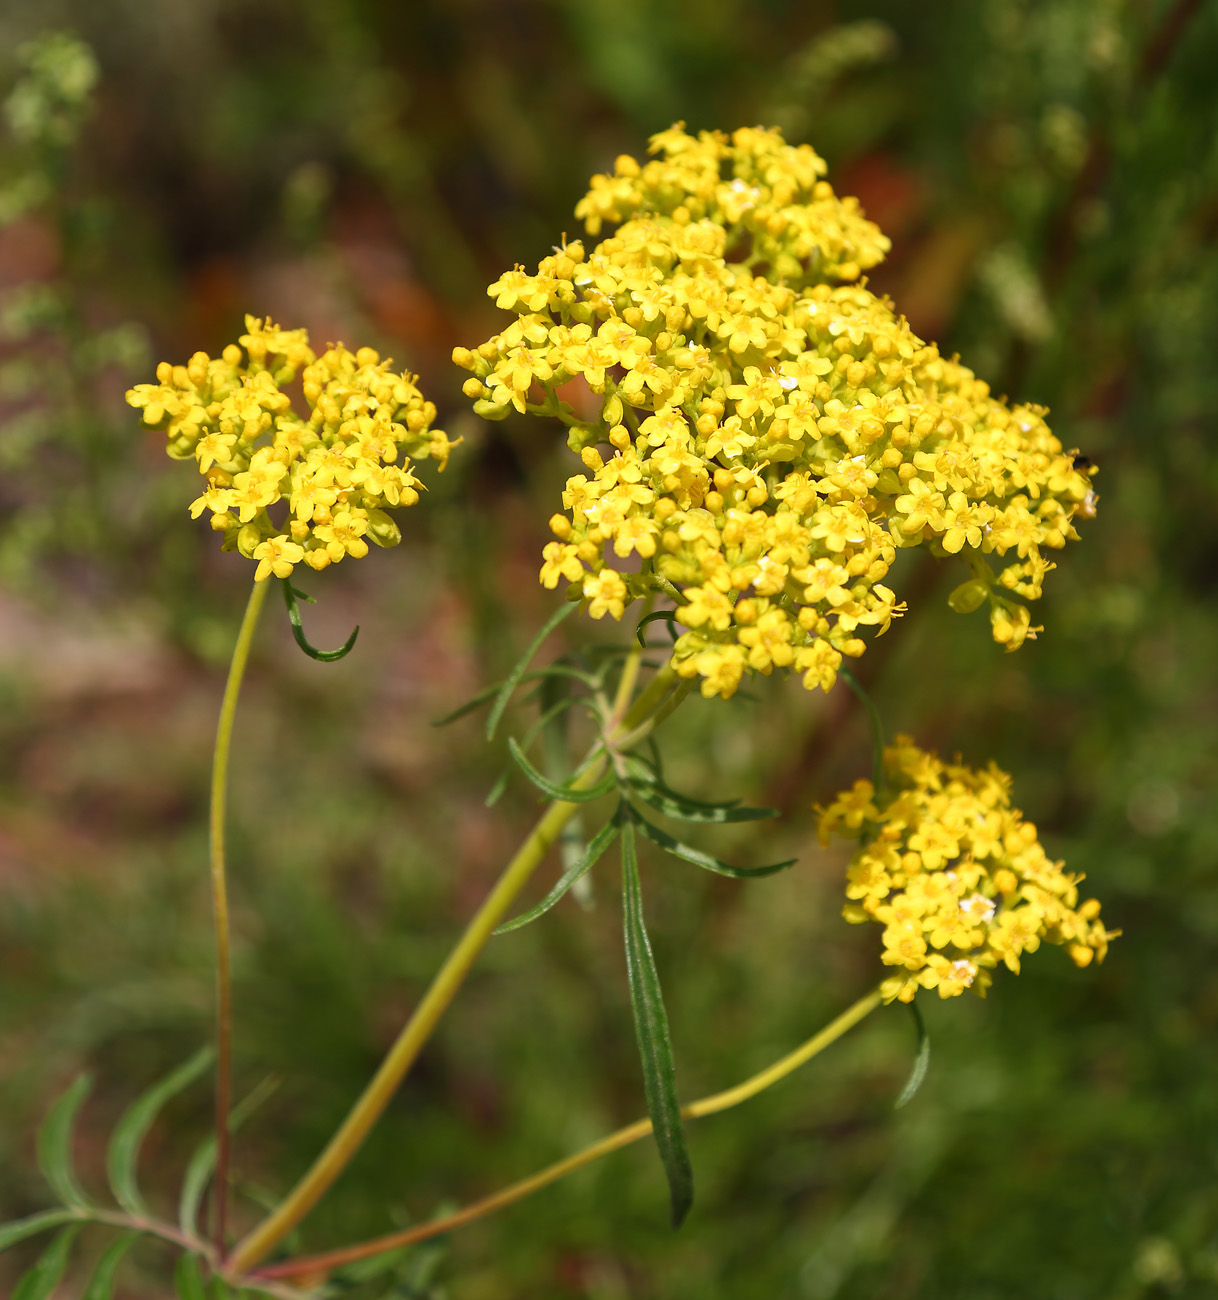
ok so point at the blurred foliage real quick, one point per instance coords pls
(1049, 174)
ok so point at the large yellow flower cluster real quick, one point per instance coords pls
(954, 874)
(772, 438)
(335, 468)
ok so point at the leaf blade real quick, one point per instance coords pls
(54, 1143)
(596, 848)
(41, 1280)
(188, 1278)
(101, 1285)
(124, 1149)
(298, 633)
(564, 793)
(512, 680)
(700, 858)
(921, 1061)
(654, 1040)
(32, 1225)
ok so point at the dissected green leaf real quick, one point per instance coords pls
(101, 1287)
(921, 1061)
(290, 594)
(43, 1278)
(600, 842)
(681, 808)
(20, 1229)
(55, 1142)
(655, 1044)
(188, 1278)
(203, 1162)
(513, 678)
(700, 858)
(124, 1149)
(567, 793)
(647, 779)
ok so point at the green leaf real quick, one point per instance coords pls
(324, 656)
(43, 1278)
(188, 1278)
(690, 853)
(651, 788)
(921, 1061)
(683, 809)
(102, 1285)
(655, 1045)
(567, 793)
(600, 842)
(20, 1229)
(203, 1162)
(124, 1149)
(667, 615)
(55, 1143)
(512, 680)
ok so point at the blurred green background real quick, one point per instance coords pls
(1048, 172)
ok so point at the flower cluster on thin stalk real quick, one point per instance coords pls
(955, 875)
(336, 468)
(769, 431)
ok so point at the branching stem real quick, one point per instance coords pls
(418, 1029)
(316, 1265)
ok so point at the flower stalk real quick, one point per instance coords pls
(359, 1122)
(315, 1265)
(219, 900)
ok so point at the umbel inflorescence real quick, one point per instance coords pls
(955, 875)
(336, 468)
(770, 432)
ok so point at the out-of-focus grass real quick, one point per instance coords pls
(1048, 173)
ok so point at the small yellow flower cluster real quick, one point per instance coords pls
(773, 438)
(336, 468)
(954, 874)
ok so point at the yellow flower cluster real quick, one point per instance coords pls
(954, 874)
(335, 468)
(772, 438)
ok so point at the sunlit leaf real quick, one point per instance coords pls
(655, 1044)
(513, 678)
(124, 1149)
(55, 1143)
(700, 858)
(290, 595)
(651, 788)
(600, 842)
(101, 1286)
(41, 1280)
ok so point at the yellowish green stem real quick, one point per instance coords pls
(319, 1265)
(401, 1056)
(219, 901)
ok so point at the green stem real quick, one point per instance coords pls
(219, 900)
(320, 1264)
(418, 1029)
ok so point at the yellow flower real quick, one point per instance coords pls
(954, 874)
(335, 465)
(777, 431)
